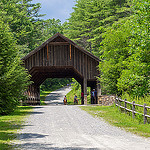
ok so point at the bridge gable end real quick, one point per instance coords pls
(59, 57)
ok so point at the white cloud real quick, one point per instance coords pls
(58, 9)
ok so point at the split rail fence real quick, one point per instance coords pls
(123, 105)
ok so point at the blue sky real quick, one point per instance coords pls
(58, 9)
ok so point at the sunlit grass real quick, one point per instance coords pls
(71, 94)
(112, 115)
(10, 124)
(43, 94)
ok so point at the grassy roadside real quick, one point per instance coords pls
(43, 94)
(10, 124)
(71, 94)
(112, 115)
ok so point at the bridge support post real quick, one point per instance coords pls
(82, 90)
(98, 89)
(33, 94)
(85, 91)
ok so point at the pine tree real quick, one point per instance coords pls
(91, 19)
(13, 77)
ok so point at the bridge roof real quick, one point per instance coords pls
(57, 35)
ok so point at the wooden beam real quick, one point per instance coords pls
(47, 53)
(59, 43)
(85, 90)
(70, 51)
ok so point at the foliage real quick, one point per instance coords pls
(136, 78)
(115, 46)
(51, 27)
(91, 19)
(125, 65)
(13, 76)
(21, 17)
(54, 83)
(21, 30)
(24, 21)
(138, 100)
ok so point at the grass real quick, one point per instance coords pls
(43, 94)
(112, 115)
(138, 100)
(71, 94)
(10, 124)
(70, 98)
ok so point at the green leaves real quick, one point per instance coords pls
(115, 50)
(135, 79)
(13, 77)
(91, 19)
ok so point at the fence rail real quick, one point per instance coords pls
(144, 114)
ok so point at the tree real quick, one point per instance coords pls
(115, 46)
(51, 27)
(135, 79)
(24, 22)
(91, 19)
(54, 83)
(13, 76)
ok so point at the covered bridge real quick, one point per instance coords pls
(59, 57)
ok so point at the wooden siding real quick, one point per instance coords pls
(59, 57)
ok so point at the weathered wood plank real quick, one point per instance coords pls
(83, 65)
(52, 55)
(59, 43)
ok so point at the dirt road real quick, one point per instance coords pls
(61, 127)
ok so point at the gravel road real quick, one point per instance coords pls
(63, 127)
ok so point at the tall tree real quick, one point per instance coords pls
(135, 79)
(116, 50)
(24, 22)
(51, 27)
(91, 18)
(13, 77)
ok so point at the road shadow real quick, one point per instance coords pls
(53, 96)
(38, 146)
(36, 112)
(54, 99)
(28, 136)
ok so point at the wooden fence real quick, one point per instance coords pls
(119, 102)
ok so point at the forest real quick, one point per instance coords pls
(116, 31)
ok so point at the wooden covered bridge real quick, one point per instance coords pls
(59, 57)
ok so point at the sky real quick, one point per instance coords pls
(58, 9)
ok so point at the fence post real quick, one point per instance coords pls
(125, 105)
(133, 109)
(145, 113)
(119, 103)
(116, 100)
